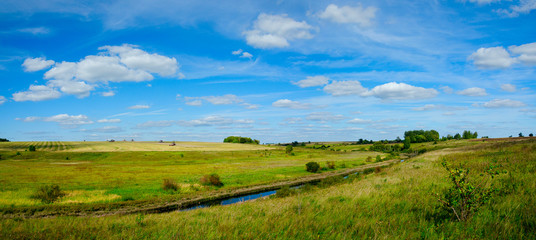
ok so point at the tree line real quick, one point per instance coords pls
(238, 139)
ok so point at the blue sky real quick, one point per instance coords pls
(276, 71)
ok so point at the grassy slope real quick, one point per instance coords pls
(395, 203)
(112, 176)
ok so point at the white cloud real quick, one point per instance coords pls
(78, 88)
(246, 55)
(64, 120)
(274, 31)
(36, 64)
(324, 117)
(114, 120)
(125, 63)
(195, 103)
(359, 121)
(312, 81)
(135, 58)
(37, 93)
(139, 107)
(345, 88)
(105, 129)
(35, 31)
(250, 106)
(347, 14)
(527, 52)
(508, 87)
(108, 94)
(2, 100)
(401, 91)
(237, 52)
(502, 103)
(223, 100)
(524, 7)
(473, 92)
(492, 58)
(285, 103)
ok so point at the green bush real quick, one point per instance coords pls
(48, 194)
(312, 167)
(169, 184)
(31, 148)
(285, 191)
(211, 179)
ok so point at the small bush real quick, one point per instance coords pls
(169, 184)
(377, 169)
(312, 167)
(368, 170)
(378, 158)
(211, 179)
(127, 198)
(330, 164)
(31, 148)
(369, 159)
(48, 194)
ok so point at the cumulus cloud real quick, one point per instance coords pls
(36, 64)
(37, 93)
(286, 103)
(345, 88)
(492, 58)
(502, 103)
(312, 81)
(274, 31)
(359, 121)
(139, 107)
(401, 91)
(508, 87)
(2, 100)
(65, 120)
(114, 120)
(125, 63)
(473, 92)
(526, 52)
(347, 14)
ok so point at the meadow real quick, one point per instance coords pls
(397, 202)
(100, 176)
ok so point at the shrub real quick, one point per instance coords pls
(31, 148)
(211, 179)
(289, 149)
(48, 194)
(378, 158)
(312, 167)
(369, 159)
(368, 170)
(169, 184)
(464, 197)
(377, 169)
(330, 164)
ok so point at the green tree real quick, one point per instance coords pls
(407, 144)
(520, 134)
(289, 149)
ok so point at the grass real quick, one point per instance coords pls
(138, 175)
(395, 203)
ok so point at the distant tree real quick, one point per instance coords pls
(531, 135)
(457, 136)
(238, 139)
(475, 135)
(31, 148)
(312, 167)
(520, 134)
(418, 136)
(289, 149)
(4, 140)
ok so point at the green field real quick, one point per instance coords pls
(397, 202)
(96, 177)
